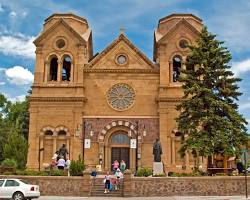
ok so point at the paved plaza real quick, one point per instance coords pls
(146, 198)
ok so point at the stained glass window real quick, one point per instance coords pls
(120, 139)
(121, 96)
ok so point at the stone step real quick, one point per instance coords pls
(98, 190)
(106, 195)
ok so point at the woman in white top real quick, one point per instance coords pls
(61, 163)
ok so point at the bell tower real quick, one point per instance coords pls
(63, 47)
(171, 38)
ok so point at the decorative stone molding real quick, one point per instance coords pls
(57, 99)
(131, 71)
(47, 128)
(113, 124)
(62, 128)
(167, 99)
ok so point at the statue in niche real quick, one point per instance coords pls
(157, 150)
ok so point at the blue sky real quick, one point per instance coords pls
(22, 20)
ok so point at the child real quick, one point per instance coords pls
(67, 165)
(107, 183)
(118, 175)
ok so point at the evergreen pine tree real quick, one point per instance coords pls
(209, 111)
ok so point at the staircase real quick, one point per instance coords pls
(98, 188)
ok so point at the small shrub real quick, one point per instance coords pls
(56, 172)
(31, 173)
(9, 163)
(140, 171)
(76, 167)
(8, 173)
(148, 172)
(144, 172)
(160, 175)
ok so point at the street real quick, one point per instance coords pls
(146, 198)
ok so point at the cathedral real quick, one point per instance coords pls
(110, 105)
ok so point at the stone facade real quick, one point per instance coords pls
(78, 96)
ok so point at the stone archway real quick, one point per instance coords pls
(105, 145)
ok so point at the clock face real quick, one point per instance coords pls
(121, 59)
(120, 96)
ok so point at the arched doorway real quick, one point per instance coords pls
(120, 150)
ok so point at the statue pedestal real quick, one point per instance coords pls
(157, 168)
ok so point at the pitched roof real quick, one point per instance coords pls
(180, 16)
(59, 15)
(181, 21)
(121, 37)
(51, 29)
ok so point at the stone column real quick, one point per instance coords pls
(46, 71)
(68, 143)
(32, 158)
(169, 152)
(106, 158)
(173, 148)
(72, 73)
(41, 152)
(54, 143)
(101, 153)
(59, 71)
(171, 71)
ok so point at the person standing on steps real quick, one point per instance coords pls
(107, 183)
(123, 166)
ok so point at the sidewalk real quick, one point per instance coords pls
(147, 198)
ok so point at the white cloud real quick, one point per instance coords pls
(241, 67)
(17, 98)
(17, 45)
(2, 83)
(1, 8)
(233, 27)
(13, 14)
(244, 106)
(19, 75)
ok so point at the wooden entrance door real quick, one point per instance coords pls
(120, 153)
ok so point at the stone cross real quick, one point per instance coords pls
(122, 30)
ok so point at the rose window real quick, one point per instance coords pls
(121, 96)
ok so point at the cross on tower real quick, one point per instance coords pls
(122, 30)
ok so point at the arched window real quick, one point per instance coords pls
(176, 67)
(120, 138)
(66, 68)
(53, 69)
(48, 132)
(62, 133)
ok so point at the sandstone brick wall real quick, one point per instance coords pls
(140, 186)
(189, 186)
(59, 186)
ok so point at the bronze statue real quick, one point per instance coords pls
(157, 150)
(63, 151)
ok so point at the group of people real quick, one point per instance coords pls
(60, 159)
(118, 170)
